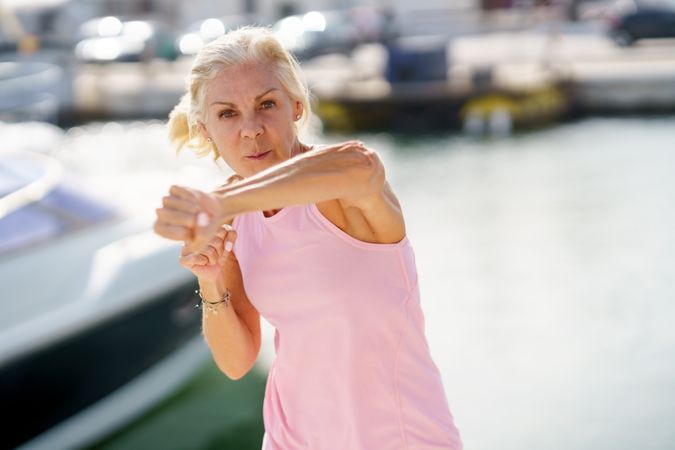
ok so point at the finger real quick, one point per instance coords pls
(221, 232)
(228, 228)
(229, 240)
(218, 244)
(183, 192)
(212, 254)
(173, 232)
(193, 259)
(206, 228)
(204, 231)
(223, 254)
(199, 243)
(173, 217)
(215, 241)
(177, 203)
(351, 143)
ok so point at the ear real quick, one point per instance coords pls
(297, 110)
(203, 132)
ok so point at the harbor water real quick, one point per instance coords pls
(546, 263)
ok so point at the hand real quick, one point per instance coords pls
(190, 215)
(208, 265)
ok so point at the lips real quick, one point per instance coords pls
(259, 155)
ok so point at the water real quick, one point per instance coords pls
(547, 267)
(547, 274)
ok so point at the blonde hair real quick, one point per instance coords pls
(241, 46)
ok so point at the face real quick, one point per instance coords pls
(248, 113)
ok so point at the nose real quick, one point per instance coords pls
(251, 128)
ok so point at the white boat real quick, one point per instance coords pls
(97, 319)
(30, 91)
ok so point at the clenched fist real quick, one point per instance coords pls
(208, 264)
(192, 216)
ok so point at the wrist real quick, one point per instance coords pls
(212, 290)
(228, 206)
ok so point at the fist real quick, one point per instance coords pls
(209, 262)
(192, 216)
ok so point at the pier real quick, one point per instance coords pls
(561, 74)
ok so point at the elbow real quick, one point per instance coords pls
(238, 372)
(234, 375)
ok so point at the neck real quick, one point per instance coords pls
(298, 148)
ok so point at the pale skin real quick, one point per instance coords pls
(247, 112)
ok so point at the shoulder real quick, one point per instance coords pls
(379, 205)
(384, 215)
(378, 221)
(375, 217)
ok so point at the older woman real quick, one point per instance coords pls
(313, 239)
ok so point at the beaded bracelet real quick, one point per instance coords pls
(211, 306)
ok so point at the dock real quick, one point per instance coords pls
(534, 77)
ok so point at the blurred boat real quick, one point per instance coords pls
(318, 33)
(499, 113)
(201, 32)
(30, 91)
(631, 20)
(119, 39)
(97, 320)
(412, 86)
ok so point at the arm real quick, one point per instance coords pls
(233, 335)
(348, 172)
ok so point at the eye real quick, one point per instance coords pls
(227, 113)
(267, 104)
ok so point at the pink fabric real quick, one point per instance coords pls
(352, 369)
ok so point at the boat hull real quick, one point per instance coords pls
(52, 384)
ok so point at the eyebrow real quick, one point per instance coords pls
(256, 98)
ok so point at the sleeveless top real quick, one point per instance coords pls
(352, 368)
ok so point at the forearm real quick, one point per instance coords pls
(226, 334)
(307, 178)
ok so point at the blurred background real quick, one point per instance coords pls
(531, 144)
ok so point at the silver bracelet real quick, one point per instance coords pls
(211, 306)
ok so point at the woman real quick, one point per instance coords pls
(313, 239)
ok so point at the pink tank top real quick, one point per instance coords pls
(352, 369)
